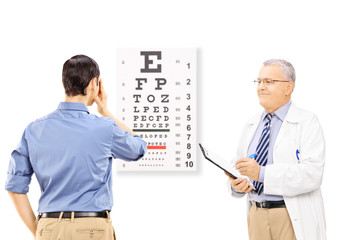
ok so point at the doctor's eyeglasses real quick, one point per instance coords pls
(267, 81)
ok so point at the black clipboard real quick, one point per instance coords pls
(220, 163)
(206, 155)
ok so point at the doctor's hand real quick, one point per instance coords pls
(240, 184)
(248, 167)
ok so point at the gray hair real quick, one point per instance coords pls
(286, 68)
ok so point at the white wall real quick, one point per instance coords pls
(320, 38)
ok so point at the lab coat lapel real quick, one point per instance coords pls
(292, 117)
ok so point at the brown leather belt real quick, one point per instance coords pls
(76, 214)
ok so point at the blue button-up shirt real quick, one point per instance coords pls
(71, 151)
(276, 122)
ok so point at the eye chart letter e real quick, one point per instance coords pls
(156, 98)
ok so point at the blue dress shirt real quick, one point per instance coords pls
(71, 151)
(276, 122)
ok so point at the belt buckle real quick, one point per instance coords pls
(263, 204)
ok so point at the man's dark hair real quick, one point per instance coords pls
(77, 74)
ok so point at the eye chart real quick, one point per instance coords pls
(156, 98)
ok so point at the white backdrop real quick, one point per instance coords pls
(320, 38)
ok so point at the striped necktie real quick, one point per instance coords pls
(262, 149)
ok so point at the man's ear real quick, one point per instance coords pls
(290, 88)
(93, 83)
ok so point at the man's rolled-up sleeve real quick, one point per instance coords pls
(126, 146)
(20, 169)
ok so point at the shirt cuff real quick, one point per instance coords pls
(235, 193)
(232, 189)
(262, 174)
(17, 183)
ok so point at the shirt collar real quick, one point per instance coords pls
(281, 112)
(75, 106)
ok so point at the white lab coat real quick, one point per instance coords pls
(298, 181)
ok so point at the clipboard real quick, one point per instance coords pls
(222, 164)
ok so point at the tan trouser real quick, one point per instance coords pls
(75, 229)
(270, 224)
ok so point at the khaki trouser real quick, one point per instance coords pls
(270, 224)
(75, 229)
